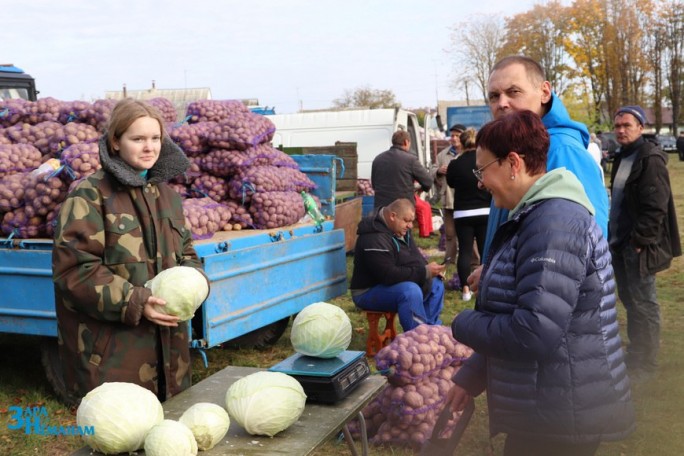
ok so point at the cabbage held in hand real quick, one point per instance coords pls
(322, 330)
(208, 422)
(265, 403)
(170, 438)
(121, 415)
(182, 287)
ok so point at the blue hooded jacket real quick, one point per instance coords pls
(568, 149)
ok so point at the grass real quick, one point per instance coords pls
(660, 413)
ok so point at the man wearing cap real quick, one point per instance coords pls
(446, 194)
(643, 234)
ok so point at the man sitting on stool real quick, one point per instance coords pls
(390, 273)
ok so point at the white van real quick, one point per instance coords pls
(370, 129)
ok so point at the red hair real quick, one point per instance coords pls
(522, 132)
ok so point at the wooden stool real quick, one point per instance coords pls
(377, 339)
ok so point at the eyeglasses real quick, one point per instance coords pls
(478, 172)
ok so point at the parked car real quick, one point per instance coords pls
(668, 143)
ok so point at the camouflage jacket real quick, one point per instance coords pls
(115, 231)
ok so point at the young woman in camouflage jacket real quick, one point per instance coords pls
(116, 230)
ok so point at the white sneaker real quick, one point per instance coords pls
(466, 296)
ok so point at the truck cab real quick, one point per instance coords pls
(14, 84)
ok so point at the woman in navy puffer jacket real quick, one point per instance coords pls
(544, 328)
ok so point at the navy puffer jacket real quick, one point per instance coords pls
(545, 330)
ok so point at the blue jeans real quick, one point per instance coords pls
(406, 299)
(638, 295)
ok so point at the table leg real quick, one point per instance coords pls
(364, 434)
(364, 437)
(350, 441)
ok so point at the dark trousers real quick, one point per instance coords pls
(524, 446)
(467, 230)
(450, 235)
(638, 295)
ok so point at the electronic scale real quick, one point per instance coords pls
(326, 380)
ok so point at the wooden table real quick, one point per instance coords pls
(318, 423)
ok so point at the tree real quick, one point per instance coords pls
(633, 21)
(673, 19)
(366, 97)
(608, 42)
(657, 43)
(476, 45)
(540, 34)
(587, 43)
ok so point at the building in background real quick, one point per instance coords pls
(179, 97)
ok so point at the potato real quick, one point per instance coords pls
(18, 158)
(83, 158)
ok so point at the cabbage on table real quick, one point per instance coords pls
(121, 414)
(265, 403)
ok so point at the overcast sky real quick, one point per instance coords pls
(286, 53)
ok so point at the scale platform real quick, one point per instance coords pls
(326, 380)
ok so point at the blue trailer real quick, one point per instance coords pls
(259, 278)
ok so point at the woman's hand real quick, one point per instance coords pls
(157, 317)
(474, 278)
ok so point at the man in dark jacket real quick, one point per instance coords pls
(680, 145)
(643, 234)
(394, 171)
(390, 273)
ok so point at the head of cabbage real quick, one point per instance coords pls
(121, 414)
(322, 330)
(265, 403)
(183, 288)
(208, 422)
(170, 438)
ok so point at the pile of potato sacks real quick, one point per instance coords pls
(419, 365)
(237, 180)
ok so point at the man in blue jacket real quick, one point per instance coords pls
(517, 83)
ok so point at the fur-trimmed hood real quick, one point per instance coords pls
(171, 163)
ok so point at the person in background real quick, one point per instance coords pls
(518, 83)
(390, 273)
(680, 145)
(471, 207)
(394, 171)
(438, 173)
(544, 328)
(644, 236)
(423, 214)
(116, 230)
(594, 149)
